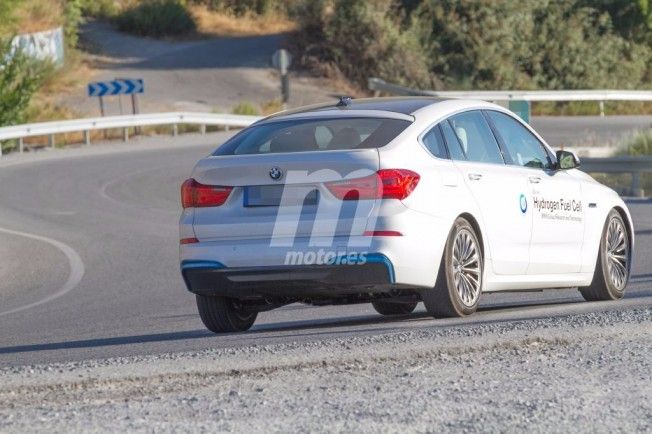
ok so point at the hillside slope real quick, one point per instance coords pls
(211, 74)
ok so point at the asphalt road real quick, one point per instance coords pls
(202, 75)
(89, 267)
(589, 130)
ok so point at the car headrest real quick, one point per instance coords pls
(464, 138)
(294, 140)
(346, 138)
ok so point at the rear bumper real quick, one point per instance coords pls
(213, 278)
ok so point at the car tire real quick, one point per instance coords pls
(613, 264)
(393, 308)
(457, 290)
(221, 315)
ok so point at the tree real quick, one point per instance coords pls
(20, 77)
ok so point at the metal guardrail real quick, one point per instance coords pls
(623, 164)
(50, 129)
(379, 85)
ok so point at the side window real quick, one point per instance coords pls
(434, 142)
(521, 145)
(454, 146)
(476, 137)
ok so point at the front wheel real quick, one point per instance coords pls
(459, 283)
(224, 315)
(613, 264)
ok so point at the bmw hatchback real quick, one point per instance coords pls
(394, 201)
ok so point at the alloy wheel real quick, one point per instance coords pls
(467, 267)
(617, 252)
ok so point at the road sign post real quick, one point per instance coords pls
(135, 109)
(282, 60)
(119, 87)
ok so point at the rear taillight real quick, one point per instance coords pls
(188, 241)
(382, 234)
(196, 195)
(384, 184)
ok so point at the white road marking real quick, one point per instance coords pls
(110, 183)
(74, 277)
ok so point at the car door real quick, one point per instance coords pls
(554, 199)
(496, 188)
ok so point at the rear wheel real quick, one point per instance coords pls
(459, 283)
(613, 264)
(384, 307)
(224, 315)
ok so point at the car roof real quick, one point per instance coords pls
(402, 105)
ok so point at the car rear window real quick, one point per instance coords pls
(323, 134)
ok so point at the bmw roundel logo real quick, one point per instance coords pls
(275, 173)
(523, 201)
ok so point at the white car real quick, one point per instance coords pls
(394, 201)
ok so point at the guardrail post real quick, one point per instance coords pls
(637, 191)
(226, 128)
(51, 141)
(601, 109)
(21, 145)
(202, 129)
(175, 130)
(87, 137)
(125, 134)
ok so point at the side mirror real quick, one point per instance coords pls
(567, 160)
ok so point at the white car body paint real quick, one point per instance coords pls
(525, 246)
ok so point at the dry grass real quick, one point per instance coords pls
(74, 75)
(38, 15)
(591, 108)
(212, 23)
(270, 107)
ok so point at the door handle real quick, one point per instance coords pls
(534, 179)
(475, 176)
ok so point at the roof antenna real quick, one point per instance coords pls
(344, 101)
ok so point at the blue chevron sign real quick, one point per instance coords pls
(116, 87)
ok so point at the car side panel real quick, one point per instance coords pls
(440, 197)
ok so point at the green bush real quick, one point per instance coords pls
(20, 77)
(364, 38)
(241, 7)
(640, 144)
(72, 20)
(157, 18)
(99, 8)
(502, 44)
(528, 44)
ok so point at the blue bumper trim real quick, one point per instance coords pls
(370, 258)
(201, 264)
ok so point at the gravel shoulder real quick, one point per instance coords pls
(580, 373)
